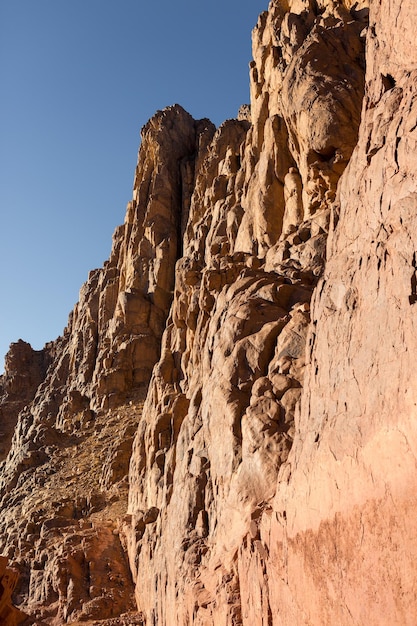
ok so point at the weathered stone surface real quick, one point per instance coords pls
(24, 370)
(61, 498)
(261, 295)
(305, 110)
(66, 454)
(225, 397)
(349, 530)
(9, 615)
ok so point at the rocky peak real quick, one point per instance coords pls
(224, 434)
(24, 371)
(103, 360)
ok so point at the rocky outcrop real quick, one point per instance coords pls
(245, 355)
(349, 530)
(9, 615)
(115, 329)
(64, 478)
(24, 371)
(221, 409)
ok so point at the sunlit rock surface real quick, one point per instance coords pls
(224, 434)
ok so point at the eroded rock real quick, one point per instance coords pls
(271, 465)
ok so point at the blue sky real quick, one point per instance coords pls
(78, 80)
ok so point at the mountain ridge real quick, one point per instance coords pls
(224, 432)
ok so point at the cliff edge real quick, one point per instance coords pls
(224, 434)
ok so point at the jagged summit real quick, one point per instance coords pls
(224, 433)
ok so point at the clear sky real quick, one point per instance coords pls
(79, 78)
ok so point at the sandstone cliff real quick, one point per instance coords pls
(247, 351)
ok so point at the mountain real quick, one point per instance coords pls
(225, 432)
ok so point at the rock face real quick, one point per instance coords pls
(9, 615)
(221, 409)
(24, 371)
(350, 530)
(66, 454)
(247, 351)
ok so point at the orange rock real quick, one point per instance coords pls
(9, 615)
(272, 464)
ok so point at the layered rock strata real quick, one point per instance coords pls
(255, 374)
